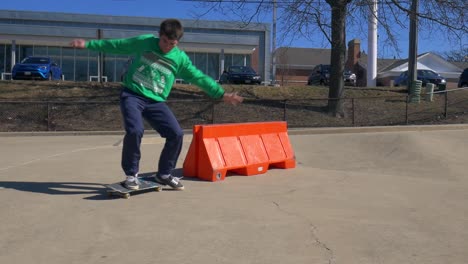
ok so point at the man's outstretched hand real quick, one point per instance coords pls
(232, 98)
(78, 43)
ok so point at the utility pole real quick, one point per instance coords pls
(273, 47)
(413, 44)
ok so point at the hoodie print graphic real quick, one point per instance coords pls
(154, 72)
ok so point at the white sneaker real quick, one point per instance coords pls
(171, 181)
(132, 183)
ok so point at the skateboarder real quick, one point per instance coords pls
(146, 86)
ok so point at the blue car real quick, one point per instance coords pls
(40, 68)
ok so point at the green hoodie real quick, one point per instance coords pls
(152, 72)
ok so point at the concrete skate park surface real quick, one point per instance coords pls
(367, 195)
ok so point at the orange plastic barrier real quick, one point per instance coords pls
(242, 148)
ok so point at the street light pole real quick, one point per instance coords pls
(273, 53)
(372, 46)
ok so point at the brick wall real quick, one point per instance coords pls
(292, 76)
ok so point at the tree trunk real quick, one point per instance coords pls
(338, 57)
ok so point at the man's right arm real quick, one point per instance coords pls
(116, 46)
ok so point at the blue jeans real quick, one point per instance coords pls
(134, 108)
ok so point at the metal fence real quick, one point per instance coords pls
(27, 116)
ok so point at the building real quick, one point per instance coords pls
(389, 69)
(211, 45)
(294, 65)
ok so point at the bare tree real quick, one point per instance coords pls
(457, 55)
(332, 18)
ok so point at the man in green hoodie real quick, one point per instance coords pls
(147, 83)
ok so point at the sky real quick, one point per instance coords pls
(184, 10)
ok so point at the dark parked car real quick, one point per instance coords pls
(240, 75)
(463, 81)
(426, 76)
(321, 76)
(42, 68)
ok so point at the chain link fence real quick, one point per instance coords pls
(28, 116)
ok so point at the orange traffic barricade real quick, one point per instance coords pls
(241, 148)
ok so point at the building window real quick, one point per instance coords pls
(3, 57)
(68, 63)
(213, 69)
(40, 51)
(55, 53)
(81, 65)
(208, 63)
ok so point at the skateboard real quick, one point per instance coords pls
(119, 189)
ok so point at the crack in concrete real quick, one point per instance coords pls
(313, 231)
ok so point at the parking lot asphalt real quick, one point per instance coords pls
(357, 195)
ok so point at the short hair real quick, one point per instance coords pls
(171, 28)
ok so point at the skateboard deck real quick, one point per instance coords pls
(119, 189)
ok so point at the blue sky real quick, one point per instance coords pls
(184, 10)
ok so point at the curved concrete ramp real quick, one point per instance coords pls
(360, 197)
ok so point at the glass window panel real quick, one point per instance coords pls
(54, 51)
(249, 59)
(2, 58)
(201, 61)
(213, 66)
(93, 63)
(40, 51)
(68, 63)
(25, 51)
(109, 68)
(8, 58)
(227, 60)
(121, 65)
(237, 59)
(81, 73)
(81, 64)
(55, 54)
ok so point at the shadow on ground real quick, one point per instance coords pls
(98, 191)
(56, 188)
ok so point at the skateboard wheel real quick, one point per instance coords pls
(158, 189)
(126, 196)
